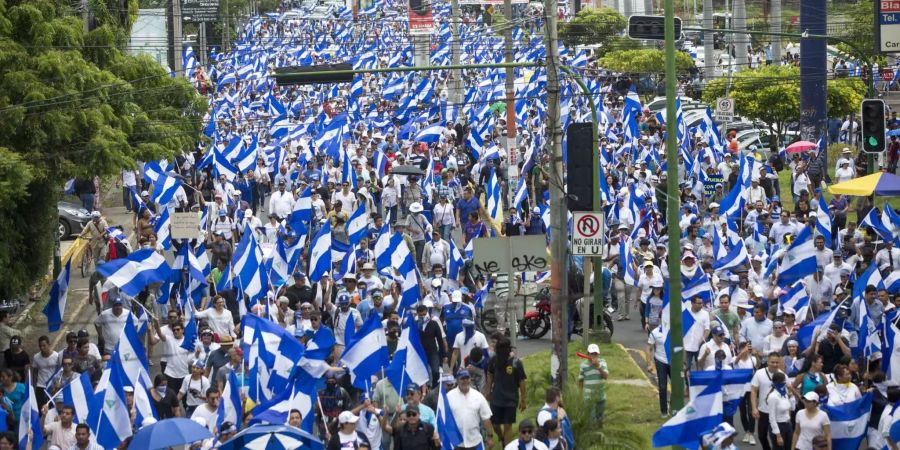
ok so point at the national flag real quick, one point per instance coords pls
(626, 261)
(871, 277)
(164, 189)
(731, 381)
(448, 429)
(134, 272)
(55, 310)
(702, 413)
(799, 260)
(320, 253)
(131, 356)
(358, 225)
(248, 266)
(456, 263)
(431, 133)
(79, 393)
(410, 364)
(797, 299)
(302, 211)
(299, 395)
(848, 422)
(367, 353)
(230, 406)
(30, 418)
(492, 195)
(109, 418)
(696, 285)
(824, 222)
(872, 220)
(162, 229)
(734, 258)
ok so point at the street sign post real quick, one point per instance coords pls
(587, 234)
(888, 27)
(198, 11)
(725, 109)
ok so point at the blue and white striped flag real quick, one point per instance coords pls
(248, 266)
(30, 419)
(703, 412)
(410, 364)
(79, 393)
(55, 310)
(134, 272)
(848, 422)
(799, 260)
(320, 253)
(366, 354)
(358, 225)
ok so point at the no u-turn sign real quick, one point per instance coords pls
(587, 234)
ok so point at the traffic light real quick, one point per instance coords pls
(580, 165)
(873, 125)
(285, 76)
(651, 27)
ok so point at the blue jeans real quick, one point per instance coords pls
(662, 383)
(445, 231)
(87, 201)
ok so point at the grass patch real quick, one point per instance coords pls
(632, 412)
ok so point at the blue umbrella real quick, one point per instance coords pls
(894, 132)
(272, 437)
(169, 433)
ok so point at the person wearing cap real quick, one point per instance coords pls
(205, 346)
(534, 223)
(96, 234)
(811, 423)
(465, 342)
(334, 400)
(222, 224)
(833, 270)
(410, 432)
(437, 292)
(592, 375)
(708, 350)
(369, 281)
(194, 387)
(110, 324)
(373, 303)
(418, 227)
(342, 312)
(471, 410)
(526, 439)
(649, 278)
(300, 292)
(436, 252)
(347, 437)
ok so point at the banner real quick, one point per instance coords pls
(421, 22)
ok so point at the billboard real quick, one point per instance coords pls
(197, 11)
(490, 2)
(421, 22)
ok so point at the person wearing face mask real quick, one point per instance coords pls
(526, 440)
(453, 314)
(780, 408)
(334, 400)
(432, 338)
(760, 385)
(465, 341)
(342, 313)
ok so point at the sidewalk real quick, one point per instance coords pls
(33, 323)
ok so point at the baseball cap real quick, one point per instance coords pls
(456, 297)
(347, 417)
(718, 331)
(811, 396)
(593, 348)
(463, 373)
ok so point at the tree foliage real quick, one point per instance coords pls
(862, 16)
(72, 104)
(643, 61)
(592, 26)
(772, 94)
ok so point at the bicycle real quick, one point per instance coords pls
(87, 258)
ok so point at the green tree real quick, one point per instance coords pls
(592, 26)
(862, 16)
(772, 94)
(643, 61)
(73, 105)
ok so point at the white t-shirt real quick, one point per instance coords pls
(478, 340)
(533, 445)
(839, 394)
(762, 380)
(694, 338)
(808, 428)
(469, 410)
(210, 416)
(111, 326)
(221, 323)
(200, 385)
(710, 362)
(657, 339)
(178, 363)
(45, 367)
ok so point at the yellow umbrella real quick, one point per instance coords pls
(880, 183)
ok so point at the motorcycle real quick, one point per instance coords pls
(536, 323)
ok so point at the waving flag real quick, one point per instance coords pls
(55, 309)
(320, 253)
(626, 260)
(367, 353)
(300, 395)
(79, 393)
(162, 229)
(731, 381)
(799, 260)
(358, 225)
(734, 258)
(873, 221)
(430, 134)
(703, 412)
(164, 189)
(824, 222)
(871, 277)
(302, 211)
(30, 418)
(410, 364)
(890, 363)
(230, 407)
(130, 355)
(848, 422)
(450, 434)
(696, 285)
(248, 266)
(797, 299)
(134, 272)
(492, 195)
(109, 418)
(456, 263)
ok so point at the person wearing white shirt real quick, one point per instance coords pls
(833, 269)
(254, 223)
(801, 183)
(842, 390)
(775, 341)
(756, 329)
(888, 258)
(471, 411)
(709, 348)
(223, 187)
(783, 227)
(526, 440)
(110, 324)
(780, 408)
(760, 385)
(756, 193)
(209, 410)
(44, 364)
(812, 422)
(656, 346)
(843, 172)
(346, 197)
(650, 276)
(697, 334)
(129, 183)
(281, 203)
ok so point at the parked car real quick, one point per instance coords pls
(72, 218)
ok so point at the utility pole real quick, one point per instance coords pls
(709, 66)
(510, 90)
(559, 282)
(201, 38)
(456, 94)
(775, 27)
(86, 14)
(672, 218)
(224, 16)
(742, 40)
(173, 17)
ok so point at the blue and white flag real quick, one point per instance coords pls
(871, 277)
(448, 429)
(30, 418)
(824, 222)
(79, 393)
(134, 272)
(302, 211)
(410, 364)
(164, 189)
(367, 353)
(696, 285)
(431, 133)
(492, 195)
(358, 225)
(299, 395)
(320, 253)
(230, 407)
(55, 310)
(702, 413)
(872, 220)
(161, 227)
(248, 267)
(456, 263)
(626, 261)
(109, 418)
(890, 362)
(796, 299)
(130, 354)
(734, 258)
(848, 422)
(731, 381)
(799, 260)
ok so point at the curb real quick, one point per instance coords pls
(638, 367)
